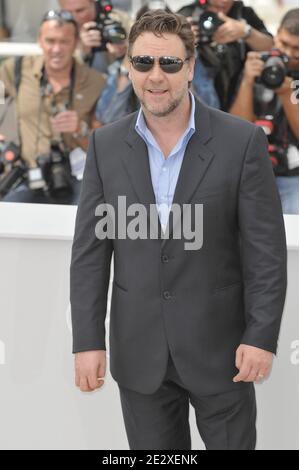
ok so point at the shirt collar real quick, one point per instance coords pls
(142, 129)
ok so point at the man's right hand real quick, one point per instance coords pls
(90, 37)
(90, 370)
(254, 67)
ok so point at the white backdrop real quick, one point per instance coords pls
(40, 408)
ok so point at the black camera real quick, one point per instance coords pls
(12, 168)
(207, 21)
(208, 24)
(56, 171)
(275, 70)
(111, 31)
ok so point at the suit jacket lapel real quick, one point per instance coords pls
(136, 162)
(196, 161)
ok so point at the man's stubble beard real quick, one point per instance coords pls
(169, 109)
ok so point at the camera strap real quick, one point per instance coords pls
(44, 84)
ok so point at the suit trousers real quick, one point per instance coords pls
(160, 421)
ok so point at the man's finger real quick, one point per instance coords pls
(262, 374)
(66, 115)
(243, 374)
(223, 17)
(252, 375)
(93, 382)
(239, 358)
(77, 379)
(84, 387)
(88, 25)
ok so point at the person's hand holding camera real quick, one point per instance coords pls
(285, 88)
(66, 121)
(231, 31)
(90, 37)
(253, 67)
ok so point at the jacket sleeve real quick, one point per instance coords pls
(7, 77)
(90, 264)
(263, 246)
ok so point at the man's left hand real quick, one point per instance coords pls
(66, 121)
(254, 364)
(231, 31)
(286, 87)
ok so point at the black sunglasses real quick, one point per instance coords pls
(169, 64)
(62, 16)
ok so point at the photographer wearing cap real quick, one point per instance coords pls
(225, 30)
(268, 95)
(55, 96)
(91, 17)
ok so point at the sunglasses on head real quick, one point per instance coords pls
(63, 16)
(169, 64)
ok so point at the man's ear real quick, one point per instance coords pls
(130, 68)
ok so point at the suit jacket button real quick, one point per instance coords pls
(165, 259)
(166, 295)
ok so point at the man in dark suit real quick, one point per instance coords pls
(186, 325)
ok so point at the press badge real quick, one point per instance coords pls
(77, 162)
(293, 157)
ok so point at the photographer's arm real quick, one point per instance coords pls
(243, 106)
(89, 37)
(291, 108)
(258, 41)
(233, 30)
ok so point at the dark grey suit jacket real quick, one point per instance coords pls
(199, 304)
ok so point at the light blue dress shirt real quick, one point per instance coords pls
(165, 172)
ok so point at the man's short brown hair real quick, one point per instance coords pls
(160, 22)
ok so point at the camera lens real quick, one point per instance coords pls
(209, 23)
(274, 73)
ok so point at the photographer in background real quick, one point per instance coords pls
(118, 98)
(223, 43)
(269, 96)
(89, 16)
(55, 100)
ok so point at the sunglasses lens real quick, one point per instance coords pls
(142, 63)
(63, 15)
(171, 64)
